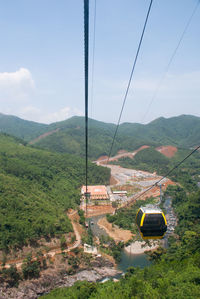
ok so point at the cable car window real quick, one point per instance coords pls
(153, 220)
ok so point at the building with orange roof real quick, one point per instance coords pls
(95, 192)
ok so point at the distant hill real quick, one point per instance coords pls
(182, 130)
(68, 136)
(36, 189)
(21, 128)
(71, 137)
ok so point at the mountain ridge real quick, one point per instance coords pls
(68, 136)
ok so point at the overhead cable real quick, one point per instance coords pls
(170, 61)
(86, 63)
(93, 56)
(130, 79)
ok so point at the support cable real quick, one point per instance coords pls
(170, 61)
(93, 56)
(86, 55)
(130, 79)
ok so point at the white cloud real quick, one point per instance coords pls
(29, 113)
(60, 115)
(16, 86)
(35, 114)
(170, 83)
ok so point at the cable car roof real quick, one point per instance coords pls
(151, 210)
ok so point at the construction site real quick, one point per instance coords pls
(128, 185)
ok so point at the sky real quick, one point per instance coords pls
(42, 66)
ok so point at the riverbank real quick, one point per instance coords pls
(138, 247)
(117, 234)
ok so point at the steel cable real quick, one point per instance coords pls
(130, 78)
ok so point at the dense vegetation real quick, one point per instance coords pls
(179, 131)
(175, 273)
(182, 131)
(21, 128)
(36, 188)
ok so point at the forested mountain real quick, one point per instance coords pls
(36, 189)
(181, 131)
(21, 128)
(68, 136)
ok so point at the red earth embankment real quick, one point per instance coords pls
(120, 154)
(168, 151)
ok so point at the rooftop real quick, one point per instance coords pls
(151, 209)
(95, 190)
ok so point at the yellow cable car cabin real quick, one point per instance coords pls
(151, 222)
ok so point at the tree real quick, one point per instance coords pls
(30, 268)
(63, 243)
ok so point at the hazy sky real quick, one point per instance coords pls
(42, 72)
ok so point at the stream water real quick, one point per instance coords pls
(129, 260)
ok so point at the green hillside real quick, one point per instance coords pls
(181, 131)
(21, 128)
(70, 137)
(36, 188)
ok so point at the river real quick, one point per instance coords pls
(127, 260)
(135, 260)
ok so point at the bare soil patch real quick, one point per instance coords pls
(99, 210)
(117, 234)
(121, 152)
(102, 158)
(168, 151)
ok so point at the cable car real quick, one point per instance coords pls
(151, 222)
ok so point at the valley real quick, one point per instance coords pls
(99, 149)
(136, 179)
(42, 217)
